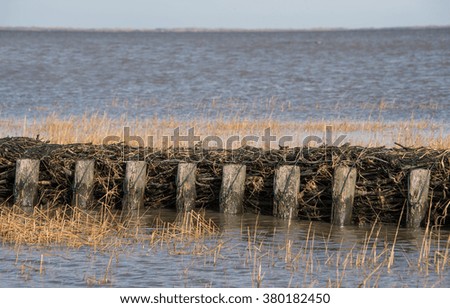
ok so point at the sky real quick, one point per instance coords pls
(233, 14)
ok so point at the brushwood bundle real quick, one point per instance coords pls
(381, 187)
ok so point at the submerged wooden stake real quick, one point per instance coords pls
(344, 182)
(83, 185)
(134, 185)
(418, 187)
(286, 187)
(186, 193)
(232, 189)
(26, 182)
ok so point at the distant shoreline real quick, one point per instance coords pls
(210, 30)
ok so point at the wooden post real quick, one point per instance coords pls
(232, 190)
(186, 193)
(286, 187)
(83, 185)
(134, 185)
(26, 182)
(418, 187)
(344, 182)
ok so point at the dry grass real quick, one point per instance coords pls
(312, 257)
(189, 234)
(94, 128)
(74, 227)
(187, 226)
(103, 231)
(65, 226)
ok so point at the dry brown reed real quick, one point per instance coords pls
(103, 230)
(311, 257)
(94, 128)
(187, 226)
(190, 234)
(66, 226)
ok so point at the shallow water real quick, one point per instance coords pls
(327, 258)
(282, 75)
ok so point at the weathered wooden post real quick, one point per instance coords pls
(83, 185)
(186, 193)
(26, 182)
(418, 187)
(134, 185)
(344, 182)
(232, 190)
(286, 187)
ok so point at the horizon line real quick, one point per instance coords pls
(212, 29)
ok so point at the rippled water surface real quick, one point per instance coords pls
(250, 247)
(283, 75)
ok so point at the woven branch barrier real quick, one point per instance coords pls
(381, 186)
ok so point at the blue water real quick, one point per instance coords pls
(303, 75)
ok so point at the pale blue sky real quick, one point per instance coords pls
(250, 14)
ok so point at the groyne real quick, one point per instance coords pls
(342, 185)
